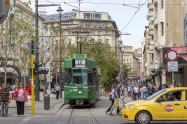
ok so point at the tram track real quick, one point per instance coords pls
(72, 116)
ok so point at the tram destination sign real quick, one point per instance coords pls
(79, 63)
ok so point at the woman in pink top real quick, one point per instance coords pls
(20, 95)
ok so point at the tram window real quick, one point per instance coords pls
(90, 78)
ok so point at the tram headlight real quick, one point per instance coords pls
(80, 92)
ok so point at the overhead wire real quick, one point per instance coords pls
(134, 15)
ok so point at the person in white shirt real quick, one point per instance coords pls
(136, 92)
(129, 90)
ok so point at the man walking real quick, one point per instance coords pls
(57, 88)
(5, 99)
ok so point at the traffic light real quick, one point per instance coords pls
(37, 70)
(4, 9)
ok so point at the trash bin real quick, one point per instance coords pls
(46, 101)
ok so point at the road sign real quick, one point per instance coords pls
(172, 55)
(173, 66)
(49, 78)
(34, 46)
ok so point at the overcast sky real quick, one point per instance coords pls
(119, 13)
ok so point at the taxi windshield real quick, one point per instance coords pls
(154, 95)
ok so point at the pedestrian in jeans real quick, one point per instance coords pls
(136, 92)
(116, 97)
(122, 91)
(21, 97)
(144, 91)
(5, 99)
(57, 88)
(112, 101)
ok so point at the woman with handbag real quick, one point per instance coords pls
(20, 95)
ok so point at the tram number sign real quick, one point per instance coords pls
(80, 63)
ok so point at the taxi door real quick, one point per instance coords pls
(166, 109)
(184, 98)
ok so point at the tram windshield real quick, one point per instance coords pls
(79, 77)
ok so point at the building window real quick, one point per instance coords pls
(104, 25)
(162, 4)
(87, 15)
(92, 32)
(89, 24)
(99, 33)
(97, 16)
(162, 28)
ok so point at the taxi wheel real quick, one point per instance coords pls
(143, 117)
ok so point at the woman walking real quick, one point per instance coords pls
(20, 95)
(112, 101)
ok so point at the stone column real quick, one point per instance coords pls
(163, 76)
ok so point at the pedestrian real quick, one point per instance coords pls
(112, 102)
(136, 92)
(129, 90)
(21, 97)
(57, 89)
(144, 91)
(151, 90)
(5, 99)
(122, 90)
(117, 96)
(28, 88)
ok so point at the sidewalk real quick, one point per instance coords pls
(55, 105)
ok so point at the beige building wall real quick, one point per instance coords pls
(175, 22)
(128, 59)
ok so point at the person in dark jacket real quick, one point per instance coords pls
(5, 99)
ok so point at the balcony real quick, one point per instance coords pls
(151, 27)
(151, 49)
(155, 2)
(151, 67)
(151, 6)
(155, 22)
(150, 13)
(151, 32)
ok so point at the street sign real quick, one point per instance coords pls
(49, 78)
(172, 55)
(34, 46)
(173, 66)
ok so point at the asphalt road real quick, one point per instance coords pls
(78, 116)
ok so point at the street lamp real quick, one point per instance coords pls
(59, 10)
(50, 66)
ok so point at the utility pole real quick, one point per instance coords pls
(36, 54)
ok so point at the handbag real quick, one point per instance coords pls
(15, 94)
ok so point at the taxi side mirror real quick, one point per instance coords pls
(159, 100)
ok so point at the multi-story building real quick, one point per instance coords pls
(99, 26)
(166, 32)
(128, 59)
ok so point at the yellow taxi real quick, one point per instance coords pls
(167, 104)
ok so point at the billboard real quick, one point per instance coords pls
(182, 54)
